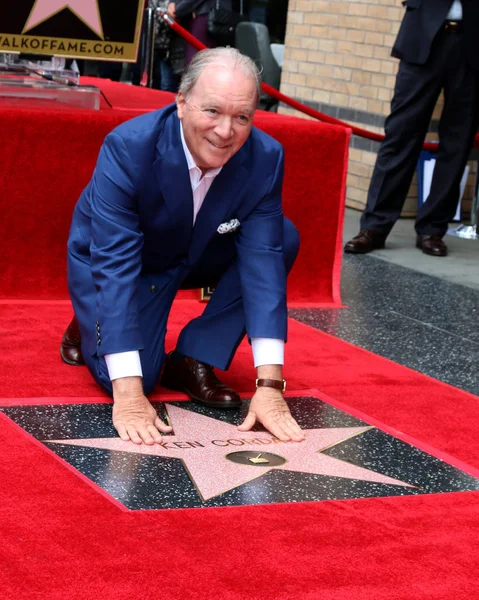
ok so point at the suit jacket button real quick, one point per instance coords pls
(153, 289)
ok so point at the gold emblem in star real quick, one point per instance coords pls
(259, 460)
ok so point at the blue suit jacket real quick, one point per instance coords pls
(135, 219)
(423, 20)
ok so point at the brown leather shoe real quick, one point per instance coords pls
(199, 381)
(70, 348)
(365, 242)
(431, 244)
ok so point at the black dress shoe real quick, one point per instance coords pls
(366, 241)
(198, 381)
(431, 244)
(70, 348)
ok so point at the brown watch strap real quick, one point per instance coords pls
(277, 384)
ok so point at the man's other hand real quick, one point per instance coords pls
(171, 10)
(269, 408)
(134, 417)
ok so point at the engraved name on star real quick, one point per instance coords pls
(86, 10)
(202, 443)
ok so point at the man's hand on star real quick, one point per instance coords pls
(269, 408)
(134, 417)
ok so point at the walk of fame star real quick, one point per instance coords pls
(204, 445)
(85, 10)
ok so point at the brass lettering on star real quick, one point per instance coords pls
(187, 445)
(246, 442)
(181, 445)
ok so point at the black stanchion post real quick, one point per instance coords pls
(147, 48)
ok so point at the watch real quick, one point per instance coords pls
(277, 384)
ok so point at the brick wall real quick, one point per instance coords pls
(337, 60)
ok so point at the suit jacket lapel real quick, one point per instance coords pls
(220, 201)
(171, 170)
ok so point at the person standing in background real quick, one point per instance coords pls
(164, 76)
(194, 18)
(438, 45)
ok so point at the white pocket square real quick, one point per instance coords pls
(229, 226)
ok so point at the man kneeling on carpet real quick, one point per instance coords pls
(184, 197)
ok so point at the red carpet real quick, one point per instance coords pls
(400, 548)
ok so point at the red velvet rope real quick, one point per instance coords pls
(364, 133)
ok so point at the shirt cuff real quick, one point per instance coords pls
(124, 364)
(267, 351)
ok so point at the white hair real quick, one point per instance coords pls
(230, 57)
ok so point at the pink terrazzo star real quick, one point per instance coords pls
(86, 10)
(202, 443)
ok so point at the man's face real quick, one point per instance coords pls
(217, 115)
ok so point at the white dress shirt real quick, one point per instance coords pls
(266, 351)
(455, 12)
